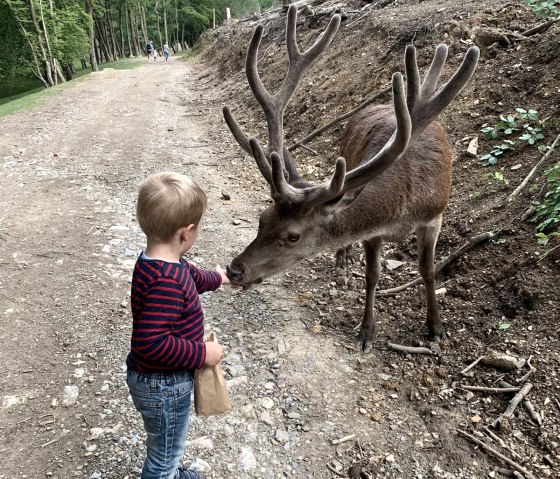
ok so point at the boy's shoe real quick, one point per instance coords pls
(191, 474)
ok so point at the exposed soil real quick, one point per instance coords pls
(68, 241)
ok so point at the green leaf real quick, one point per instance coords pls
(504, 326)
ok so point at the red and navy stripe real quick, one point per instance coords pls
(168, 323)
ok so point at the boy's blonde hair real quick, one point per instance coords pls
(168, 201)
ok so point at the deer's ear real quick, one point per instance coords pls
(328, 208)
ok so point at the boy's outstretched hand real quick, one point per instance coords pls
(225, 279)
(214, 353)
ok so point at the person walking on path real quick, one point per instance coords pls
(149, 49)
(168, 323)
(166, 51)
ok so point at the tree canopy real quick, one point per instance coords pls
(51, 38)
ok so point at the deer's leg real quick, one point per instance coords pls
(427, 238)
(372, 250)
(344, 257)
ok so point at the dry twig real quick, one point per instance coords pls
(501, 442)
(492, 390)
(513, 403)
(528, 405)
(472, 365)
(498, 455)
(332, 469)
(531, 371)
(410, 349)
(533, 171)
(541, 27)
(343, 439)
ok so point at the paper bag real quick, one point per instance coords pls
(210, 391)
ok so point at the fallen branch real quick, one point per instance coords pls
(510, 473)
(338, 119)
(533, 171)
(476, 240)
(410, 349)
(535, 416)
(491, 390)
(498, 455)
(531, 371)
(343, 439)
(472, 365)
(513, 403)
(528, 405)
(333, 470)
(501, 442)
(541, 27)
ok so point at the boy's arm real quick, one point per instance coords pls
(204, 280)
(153, 340)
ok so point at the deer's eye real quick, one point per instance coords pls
(294, 237)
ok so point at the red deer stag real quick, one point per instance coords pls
(394, 177)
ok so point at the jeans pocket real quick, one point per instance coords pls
(152, 413)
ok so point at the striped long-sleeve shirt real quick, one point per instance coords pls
(168, 323)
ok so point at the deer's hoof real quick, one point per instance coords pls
(436, 337)
(365, 342)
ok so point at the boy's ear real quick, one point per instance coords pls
(187, 231)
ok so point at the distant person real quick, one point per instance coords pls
(168, 323)
(166, 51)
(155, 54)
(149, 49)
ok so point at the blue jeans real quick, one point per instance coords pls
(164, 400)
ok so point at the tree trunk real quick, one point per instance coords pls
(51, 59)
(92, 57)
(131, 33)
(111, 28)
(58, 70)
(157, 19)
(127, 24)
(44, 56)
(165, 21)
(143, 24)
(102, 42)
(177, 26)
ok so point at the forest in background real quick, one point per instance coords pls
(52, 39)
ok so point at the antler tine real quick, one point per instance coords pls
(329, 190)
(430, 81)
(236, 130)
(284, 191)
(424, 102)
(262, 162)
(456, 83)
(393, 149)
(299, 62)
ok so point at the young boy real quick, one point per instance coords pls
(168, 325)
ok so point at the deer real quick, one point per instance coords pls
(393, 177)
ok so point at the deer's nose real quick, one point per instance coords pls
(235, 272)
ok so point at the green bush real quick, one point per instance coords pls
(547, 212)
(544, 8)
(526, 122)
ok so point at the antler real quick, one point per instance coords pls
(414, 111)
(274, 105)
(423, 104)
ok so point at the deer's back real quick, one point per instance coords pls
(417, 185)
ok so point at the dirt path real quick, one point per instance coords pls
(68, 240)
